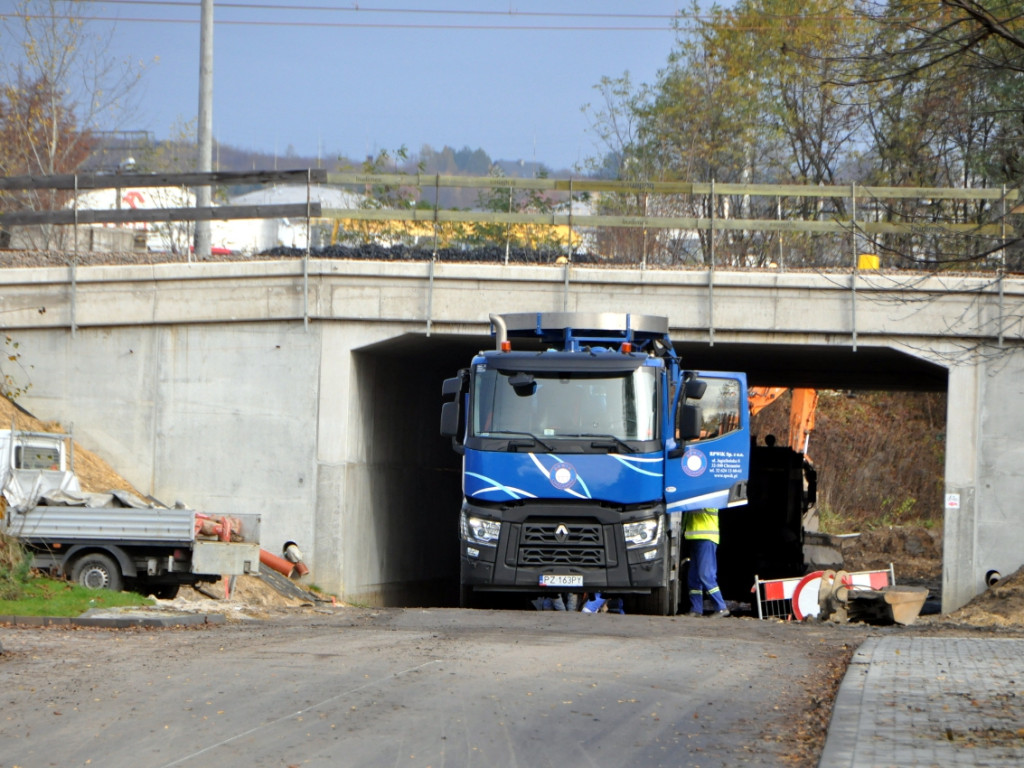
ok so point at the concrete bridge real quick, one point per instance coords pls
(309, 391)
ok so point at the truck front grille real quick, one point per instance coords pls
(558, 542)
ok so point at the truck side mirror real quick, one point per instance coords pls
(450, 411)
(451, 386)
(450, 419)
(695, 389)
(689, 423)
(450, 425)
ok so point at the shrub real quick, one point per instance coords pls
(14, 567)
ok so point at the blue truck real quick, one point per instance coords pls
(583, 442)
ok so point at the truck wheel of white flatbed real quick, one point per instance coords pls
(97, 571)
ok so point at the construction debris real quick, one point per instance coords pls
(840, 599)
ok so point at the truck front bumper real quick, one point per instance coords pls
(583, 542)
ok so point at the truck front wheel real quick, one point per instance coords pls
(663, 601)
(97, 571)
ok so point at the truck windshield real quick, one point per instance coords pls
(36, 457)
(566, 404)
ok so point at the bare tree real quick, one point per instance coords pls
(59, 83)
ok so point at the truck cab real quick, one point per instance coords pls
(582, 449)
(34, 463)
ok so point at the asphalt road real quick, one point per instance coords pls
(412, 687)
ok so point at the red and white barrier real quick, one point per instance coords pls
(797, 598)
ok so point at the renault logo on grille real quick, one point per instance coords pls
(561, 532)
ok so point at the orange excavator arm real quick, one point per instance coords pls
(801, 411)
(801, 418)
(762, 397)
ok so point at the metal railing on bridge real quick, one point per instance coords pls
(722, 224)
(664, 223)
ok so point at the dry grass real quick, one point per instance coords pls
(879, 456)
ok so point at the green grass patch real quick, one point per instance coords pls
(43, 596)
(15, 566)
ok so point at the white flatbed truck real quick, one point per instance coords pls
(113, 540)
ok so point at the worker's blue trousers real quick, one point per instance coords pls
(703, 575)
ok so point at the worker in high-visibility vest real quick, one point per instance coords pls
(701, 534)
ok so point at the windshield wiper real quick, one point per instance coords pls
(520, 443)
(627, 448)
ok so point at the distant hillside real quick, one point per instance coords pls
(138, 151)
(113, 150)
(879, 456)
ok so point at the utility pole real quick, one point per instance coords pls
(205, 128)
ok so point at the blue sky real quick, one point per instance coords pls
(322, 76)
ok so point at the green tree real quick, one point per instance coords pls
(393, 196)
(948, 81)
(705, 122)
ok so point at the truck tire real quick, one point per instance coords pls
(658, 603)
(663, 601)
(97, 571)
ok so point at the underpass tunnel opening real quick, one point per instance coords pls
(409, 490)
(408, 477)
(872, 465)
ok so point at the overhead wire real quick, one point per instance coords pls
(229, 6)
(677, 22)
(363, 10)
(350, 25)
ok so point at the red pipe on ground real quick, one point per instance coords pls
(279, 564)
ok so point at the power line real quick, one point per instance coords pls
(678, 26)
(361, 10)
(369, 12)
(350, 25)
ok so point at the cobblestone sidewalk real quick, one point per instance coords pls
(930, 701)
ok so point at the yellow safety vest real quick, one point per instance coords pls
(702, 525)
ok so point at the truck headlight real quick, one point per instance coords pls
(479, 529)
(644, 533)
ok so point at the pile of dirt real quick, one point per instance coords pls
(1001, 605)
(249, 597)
(915, 552)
